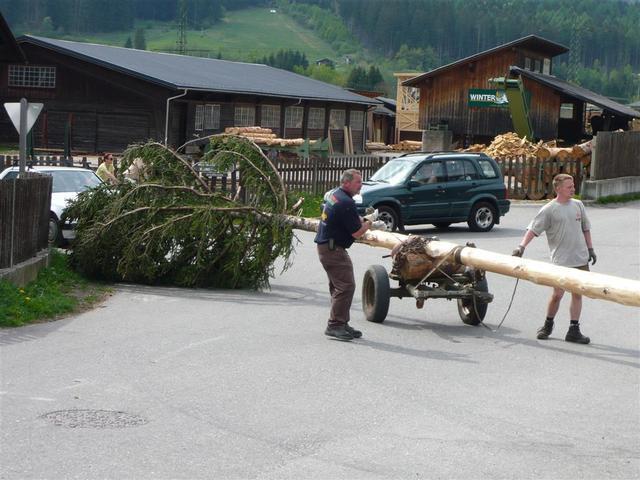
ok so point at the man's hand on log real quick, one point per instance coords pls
(592, 257)
(518, 251)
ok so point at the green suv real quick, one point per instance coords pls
(437, 188)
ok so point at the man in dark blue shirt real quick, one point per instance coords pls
(339, 226)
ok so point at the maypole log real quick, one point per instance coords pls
(590, 284)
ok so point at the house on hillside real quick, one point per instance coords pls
(448, 95)
(111, 97)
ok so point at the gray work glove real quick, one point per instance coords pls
(518, 251)
(372, 217)
(592, 257)
(378, 225)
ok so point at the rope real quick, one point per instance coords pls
(515, 287)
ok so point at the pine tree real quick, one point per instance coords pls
(139, 42)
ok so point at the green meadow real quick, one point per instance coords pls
(244, 35)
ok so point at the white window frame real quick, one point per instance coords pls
(337, 119)
(316, 118)
(244, 116)
(211, 116)
(32, 76)
(199, 118)
(356, 123)
(293, 117)
(270, 116)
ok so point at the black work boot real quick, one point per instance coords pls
(545, 330)
(339, 331)
(574, 335)
(354, 333)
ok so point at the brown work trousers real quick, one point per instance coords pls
(342, 284)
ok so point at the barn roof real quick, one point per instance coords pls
(531, 42)
(203, 74)
(577, 92)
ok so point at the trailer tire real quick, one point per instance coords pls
(375, 294)
(470, 314)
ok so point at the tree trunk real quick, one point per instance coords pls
(590, 284)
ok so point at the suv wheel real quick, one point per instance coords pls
(389, 216)
(482, 217)
(55, 233)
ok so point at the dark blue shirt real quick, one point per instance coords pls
(339, 220)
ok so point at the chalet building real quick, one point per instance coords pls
(109, 97)
(459, 96)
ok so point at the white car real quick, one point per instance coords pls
(67, 183)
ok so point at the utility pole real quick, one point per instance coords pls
(181, 44)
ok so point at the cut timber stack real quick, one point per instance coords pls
(378, 146)
(264, 136)
(407, 146)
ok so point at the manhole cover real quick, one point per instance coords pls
(93, 419)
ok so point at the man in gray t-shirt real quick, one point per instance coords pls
(568, 230)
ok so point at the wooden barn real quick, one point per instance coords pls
(104, 98)
(459, 96)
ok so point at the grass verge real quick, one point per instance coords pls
(627, 197)
(57, 291)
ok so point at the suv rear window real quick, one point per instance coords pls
(487, 169)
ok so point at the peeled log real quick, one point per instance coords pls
(590, 284)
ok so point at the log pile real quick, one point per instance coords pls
(407, 146)
(264, 136)
(378, 147)
(510, 145)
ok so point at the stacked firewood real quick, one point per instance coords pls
(264, 136)
(510, 145)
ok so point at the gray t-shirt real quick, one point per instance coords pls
(564, 224)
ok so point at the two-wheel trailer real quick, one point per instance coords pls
(465, 284)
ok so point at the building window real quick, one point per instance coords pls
(527, 63)
(546, 66)
(199, 122)
(336, 119)
(245, 116)
(566, 110)
(211, 117)
(356, 120)
(270, 116)
(538, 67)
(293, 117)
(316, 119)
(32, 76)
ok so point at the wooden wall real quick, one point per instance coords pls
(444, 98)
(108, 110)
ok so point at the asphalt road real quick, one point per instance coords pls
(163, 383)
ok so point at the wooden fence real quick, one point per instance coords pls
(616, 154)
(525, 177)
(24, 218)
(317, 175)
(531, 178)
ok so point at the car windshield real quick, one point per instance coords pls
(72, 180)
(394, 172)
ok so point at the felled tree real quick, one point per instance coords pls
(172, 228)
